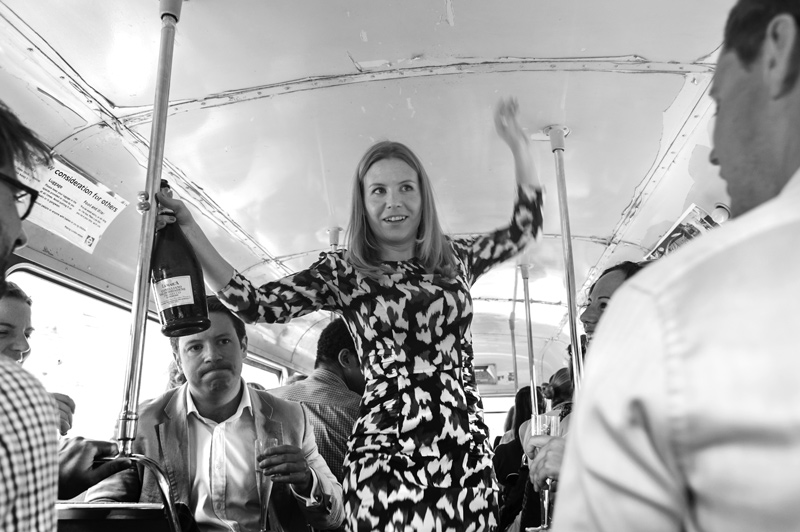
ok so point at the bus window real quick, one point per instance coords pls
(80, 348)
(255, 370)
(495, 410)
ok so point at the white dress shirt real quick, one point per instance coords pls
(223, 475)
(223, 470)
(689, 416)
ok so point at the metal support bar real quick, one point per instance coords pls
(512, 327)
(557, 135)
(128, 417)
(163, 486)
(333, 237)
(171, 8)
(523, 269)
(126, 432)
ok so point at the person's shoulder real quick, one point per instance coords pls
(459, 243)
(332, 257)
(17, 381)
(280, 392)
(11, 369)
(288, 392)
(280, 406)
(504, 447)
(332, 263)
(158, 403)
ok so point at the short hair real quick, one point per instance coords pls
(13, 291)
(215, 305)
(746, 30)
(18, 143)
(334, 338)
(627, 267)
(432, 247)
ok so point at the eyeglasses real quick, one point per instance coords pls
(24, 197)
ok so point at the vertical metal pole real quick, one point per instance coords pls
(512, 325)
(333, 237)
(333, 240)
(523, 268)
(557, 135)
(126, 432)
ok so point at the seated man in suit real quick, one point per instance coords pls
(203, 434)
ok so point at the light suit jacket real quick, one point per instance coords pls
(163, 436)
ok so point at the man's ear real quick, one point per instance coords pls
(348, 359)
(243, 345)
(778, 53)
(177, 357)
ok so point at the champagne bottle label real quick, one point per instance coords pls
(174, 291)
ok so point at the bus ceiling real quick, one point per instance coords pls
(271, 106)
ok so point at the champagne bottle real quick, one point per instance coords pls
(178, 285)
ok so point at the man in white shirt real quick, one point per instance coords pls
(203, 434)
(689, 417)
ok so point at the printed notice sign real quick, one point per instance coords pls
(71, 205)
(693, 223)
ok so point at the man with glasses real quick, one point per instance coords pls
(16, 198)
(33, 471)
(25, 197)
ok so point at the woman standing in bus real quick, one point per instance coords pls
(419, 454)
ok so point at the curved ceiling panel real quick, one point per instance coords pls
(273, 103)
(223, 45)
(298, 151)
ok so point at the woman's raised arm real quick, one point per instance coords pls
(506, 121)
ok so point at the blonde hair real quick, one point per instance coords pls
(432, 247)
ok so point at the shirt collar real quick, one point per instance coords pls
(327, 376)
(244, 404)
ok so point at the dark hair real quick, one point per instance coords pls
(559, 388)
(627, 267)
(508, 424)
(13, 291)
(432, 248)
(746, 30)
(523, 410)
(334, 338)
(18, 143)
(215, 305)
(583, 346)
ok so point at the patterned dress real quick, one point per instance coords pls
(418, 458)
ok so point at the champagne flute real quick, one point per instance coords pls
(548, 424)
(264, 482)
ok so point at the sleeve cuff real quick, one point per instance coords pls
(316, 497)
